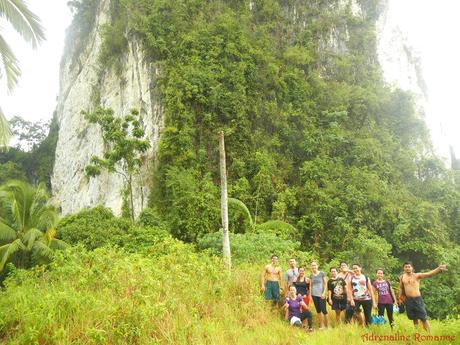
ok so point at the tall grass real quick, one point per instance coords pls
(172, 295)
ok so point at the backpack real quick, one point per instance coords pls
(378, 320)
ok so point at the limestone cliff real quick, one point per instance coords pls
(135, 87)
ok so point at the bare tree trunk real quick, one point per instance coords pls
(131, 197)
(224, 203)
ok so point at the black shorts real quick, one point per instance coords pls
(339, 304)
(415, 308)
(320, 304)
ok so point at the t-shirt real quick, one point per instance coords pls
(294, 306)
(317, 284)
(337, 288)
(302, 287)
(383, 288)
(359, 288)
(290, 275)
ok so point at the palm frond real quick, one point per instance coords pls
(8, 250)
(23, 20)
(9, 65)
(241, 206)
(31, 236)
(7, 233)
(56, 244)
(19, 195)
(41, 251)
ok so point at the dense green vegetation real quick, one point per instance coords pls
(167, 295)
(325, 162)
(314, 137)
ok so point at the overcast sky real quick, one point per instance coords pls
(432, 27)
(35, 95)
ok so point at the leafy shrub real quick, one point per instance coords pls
(279, 228)
(93, 228)
(254, 247)
(139, 239)
(370, 251)
(150, 217)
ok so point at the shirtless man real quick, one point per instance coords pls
(409, 291)
(271, 280)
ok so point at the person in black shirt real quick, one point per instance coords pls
(337, 293)
(302, 285)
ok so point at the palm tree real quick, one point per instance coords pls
(27, 24)
(27, 224)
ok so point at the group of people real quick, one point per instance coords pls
(348, 292)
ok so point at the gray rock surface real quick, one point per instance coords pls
(78, 140)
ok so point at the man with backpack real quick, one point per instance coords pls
(409, 292)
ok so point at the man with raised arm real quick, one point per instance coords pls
(271, 280)
(409, 291)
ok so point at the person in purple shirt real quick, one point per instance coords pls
(293, 306)
(386, 296)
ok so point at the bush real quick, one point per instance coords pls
(93, 228)
(255, 247)
(281, 229)
(370, 251)
(141, 239)
(150, 217)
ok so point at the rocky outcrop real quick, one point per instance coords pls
(134, 87)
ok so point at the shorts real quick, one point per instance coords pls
(272, 291)
(320, 304)
(415, 308)
(339, 304)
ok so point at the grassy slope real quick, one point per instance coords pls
(170, 296)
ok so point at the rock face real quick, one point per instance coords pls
(135, 87)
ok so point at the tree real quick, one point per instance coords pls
(27, 224)
(27, 24)
(125, 146)
(29, 133)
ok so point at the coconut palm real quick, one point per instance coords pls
(27, 224)
(26, 24)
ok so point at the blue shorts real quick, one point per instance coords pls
(272, 291)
